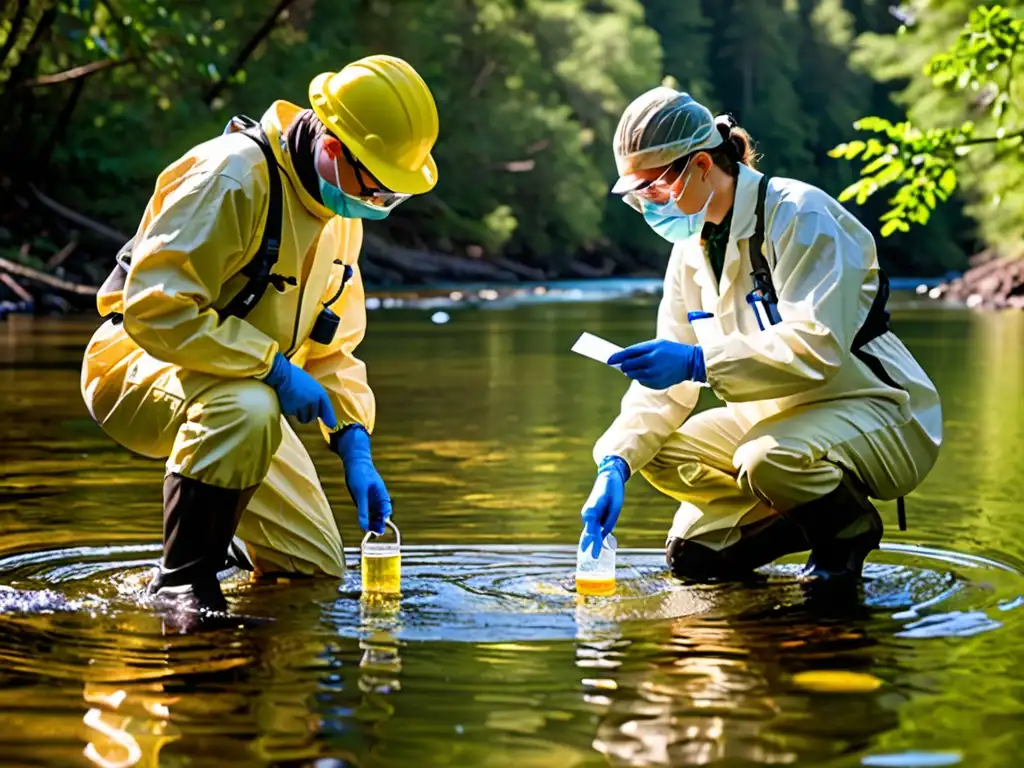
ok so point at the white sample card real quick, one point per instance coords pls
(595, 348)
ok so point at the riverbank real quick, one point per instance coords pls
(58, 273)
(992, 282)
(42, 277)
(64, 281)
(460, 295)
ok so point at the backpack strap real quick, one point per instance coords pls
(262, 263)
(761, 274)
(259, 268)
(876, 324)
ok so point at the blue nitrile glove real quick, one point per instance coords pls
(365, 485)
(660, 363)
(601, 511)
(299, 394)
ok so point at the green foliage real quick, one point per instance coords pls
(685, 34)
(920, 162)
(926, 164)
(528, 91)
(756, 68)
(22, 19)
(984, 50)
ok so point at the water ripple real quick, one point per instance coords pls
(511, 593)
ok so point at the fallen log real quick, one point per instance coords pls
(16, 288)
(61, 256)
(586, 271)
(524, 271)
(109, 233)
(41, 277)
(994, 283)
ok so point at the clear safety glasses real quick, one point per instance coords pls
(657, 191)
(378, 195)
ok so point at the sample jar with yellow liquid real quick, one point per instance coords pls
(596, 576)
(381, 564)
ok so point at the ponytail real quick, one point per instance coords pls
(736, 148)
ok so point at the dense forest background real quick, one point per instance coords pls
(99, 95)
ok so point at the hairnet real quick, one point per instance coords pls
(661, 126)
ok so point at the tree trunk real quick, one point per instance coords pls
(15, 33)
(57, 134)
(16, 104)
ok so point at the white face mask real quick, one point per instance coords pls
(670, 222)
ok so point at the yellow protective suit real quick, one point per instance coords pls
(176, 381)
(800, 408)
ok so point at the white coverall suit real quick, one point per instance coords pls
(801, 409)
(175, 381)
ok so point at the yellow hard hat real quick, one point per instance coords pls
(381, 109)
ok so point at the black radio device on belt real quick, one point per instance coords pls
(259, 269)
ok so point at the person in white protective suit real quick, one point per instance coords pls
(775, 300)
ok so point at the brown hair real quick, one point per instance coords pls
(737, 148)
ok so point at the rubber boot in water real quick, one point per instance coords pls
(841, 529)
(199, 523)
(841, 555)
(757, 544)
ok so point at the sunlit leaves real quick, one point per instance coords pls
(169, 41)
(987, 44)
(922, 164)
(849, 151)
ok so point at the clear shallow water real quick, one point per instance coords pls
(489, 658)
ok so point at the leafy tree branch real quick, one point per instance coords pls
(924, 165)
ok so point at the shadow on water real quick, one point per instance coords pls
(489, 658)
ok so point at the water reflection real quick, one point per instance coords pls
(700, 694)
(486, 424)
(381, 664)
(128, 725)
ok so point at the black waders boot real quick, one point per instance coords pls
(840, 529)
(842, 555)
(757, 544)
(199, 524)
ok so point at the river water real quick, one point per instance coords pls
(489, 658)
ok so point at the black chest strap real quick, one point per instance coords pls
(259, 269)
(876, 324)
(761, 275)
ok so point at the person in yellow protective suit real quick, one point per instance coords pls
(184, 370)
(775, 300)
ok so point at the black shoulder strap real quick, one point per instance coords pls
(761, 274)
(877, 322)
(262, 263)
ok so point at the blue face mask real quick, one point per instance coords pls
(347, 206)
(670, 222)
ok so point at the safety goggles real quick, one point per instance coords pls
(377, 195)
(636, 192)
